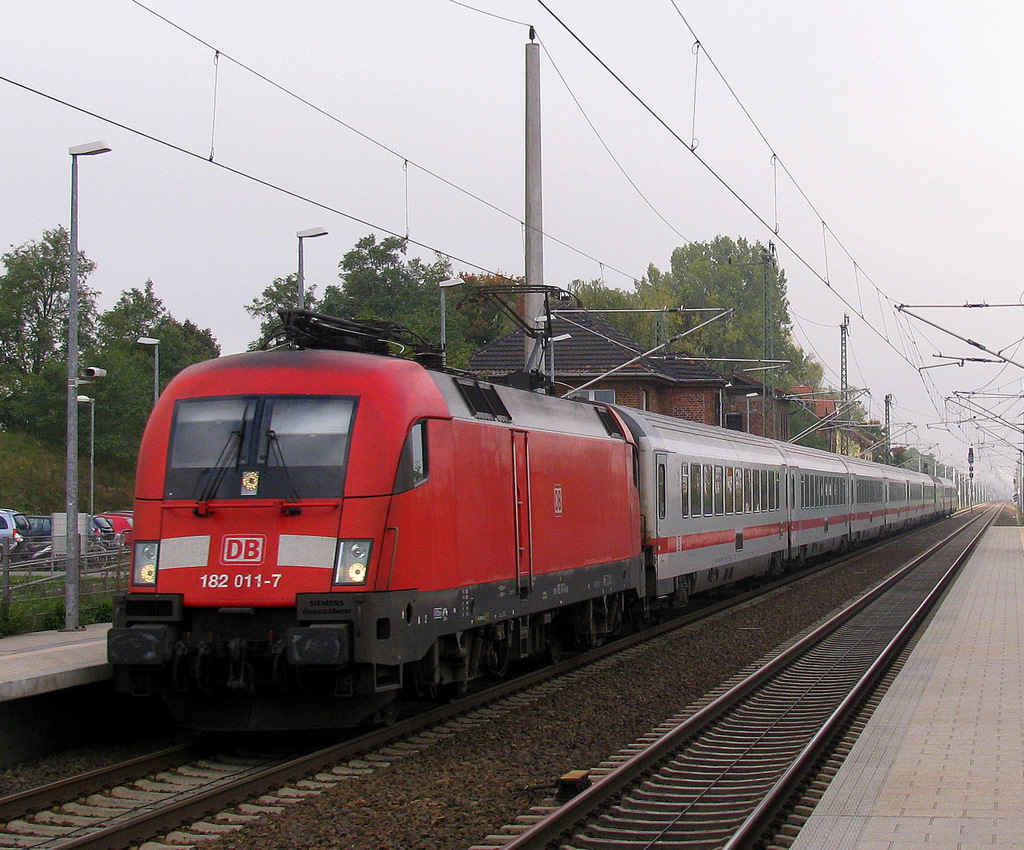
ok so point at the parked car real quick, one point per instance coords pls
(122, 522)
(102, 532)
(14, 526)
(41, 528)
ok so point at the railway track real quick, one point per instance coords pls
(718, 778)
(213, 788)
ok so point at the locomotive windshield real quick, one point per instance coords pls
(271, 447)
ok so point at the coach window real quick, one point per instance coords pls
(719, 492)
(748, 492)
(684, 490)
(730, 490)
(412, 465)
(709, 491)
(696, 490)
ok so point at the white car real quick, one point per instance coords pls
(14, 526)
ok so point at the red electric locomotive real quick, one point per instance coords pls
(317, 530)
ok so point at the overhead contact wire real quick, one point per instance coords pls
(370, 139)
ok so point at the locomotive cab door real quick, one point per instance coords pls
(522, 511)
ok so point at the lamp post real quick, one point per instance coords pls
(148, 340)
(73, 540)
(551, 362)
(84, 399)
(444, 284)
(310, 233)
(749, 397)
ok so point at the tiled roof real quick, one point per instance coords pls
(596, 347)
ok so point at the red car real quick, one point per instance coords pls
(122, 523)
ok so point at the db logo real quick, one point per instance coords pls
(243, 550)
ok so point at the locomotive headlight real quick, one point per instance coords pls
(144, 563)
(351, 561)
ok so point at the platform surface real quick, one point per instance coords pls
(940, 765)
(41, 662)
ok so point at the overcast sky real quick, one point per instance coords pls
(896, 130)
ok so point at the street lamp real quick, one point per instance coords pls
(551, 362)
(84, 399)
(310, 233)
(444, 284)
(73, 540)
(148, 340)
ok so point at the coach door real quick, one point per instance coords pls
(790, 487)
(523, 513)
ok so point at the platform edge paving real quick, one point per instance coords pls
(941, 763)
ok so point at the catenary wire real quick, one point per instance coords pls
(366, 137)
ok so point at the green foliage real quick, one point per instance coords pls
(722, 273)
(596, 296)
(34, 476)
(377, 282)
(737, 274)
(33, 353)
(280, 295)
(33, 322)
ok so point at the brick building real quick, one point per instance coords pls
(756, 408)
(670, 385)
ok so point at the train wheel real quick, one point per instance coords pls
(553, 650)
(502, 652)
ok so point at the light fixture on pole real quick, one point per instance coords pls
(444, 284)
(749, 397)
(149, 340)
(73, 540)
(310, 233)
(84, 399)
(551, 360)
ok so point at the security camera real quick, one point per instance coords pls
(94, 372)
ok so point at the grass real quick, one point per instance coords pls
(33, 479)
(31, 604)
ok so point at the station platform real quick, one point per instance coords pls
(940, 765)
(42, 662)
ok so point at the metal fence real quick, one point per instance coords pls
(33, 582)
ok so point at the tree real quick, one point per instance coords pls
(737, 274)
(280, 295)
(33, 323)
(377, 282)
(33, 351)
(124, 396)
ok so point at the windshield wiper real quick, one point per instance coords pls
(275, 446)
(215, 474)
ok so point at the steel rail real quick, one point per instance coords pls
(758, 821)
(571, 815)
